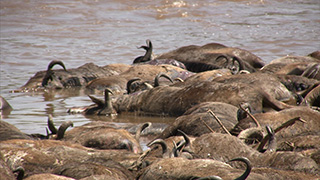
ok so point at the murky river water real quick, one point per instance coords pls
(103, 32)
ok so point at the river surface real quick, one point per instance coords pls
(34, 32)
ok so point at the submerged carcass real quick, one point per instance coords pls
(70, 77)
(101, 135)
(198, 58)
(64, 158)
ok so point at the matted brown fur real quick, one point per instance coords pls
(145, 72)
(275, 119)
(101, 135)
(174, 101)
(195, 53)
(180, 168)
(83, 74)
(46, 156)
(224, 147)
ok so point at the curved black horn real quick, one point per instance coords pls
(55, 62)
(62, 129)
(141, 128)
(129, 89)
(156, 79)
(223, 56)
(161, 142)
(241, 66)
(248, 169)
(272, 146)
(51, 126)
(186, 137)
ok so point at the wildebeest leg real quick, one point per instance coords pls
(247, 109)
(312, 98)
(272, 146)
(284, 125)
(219, 122)
(270, 101)
(312, 71)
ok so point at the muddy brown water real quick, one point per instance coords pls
(32, 33)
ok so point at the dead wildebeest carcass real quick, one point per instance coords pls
(143, 72)
(224, 147)
(301, 136)
(224, 142)
(9, 131)
(101, 135)
(180, 168)
(276, 119)
(73, 77)
(275, 85)
(196, 58)
(64, 158)
(174, 101)
(290, 65)
(197, 121)
(20, 175)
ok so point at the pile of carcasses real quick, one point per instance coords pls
(236, 118)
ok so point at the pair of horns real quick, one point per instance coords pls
(49, 73)
(62, 129)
